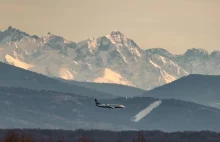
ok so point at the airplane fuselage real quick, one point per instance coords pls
(110, 106)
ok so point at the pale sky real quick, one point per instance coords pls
(175, 25)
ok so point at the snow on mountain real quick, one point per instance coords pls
(92, 44)
(116, 37)
(9, 59)
(155, 65)
(112, 77)
(198, 61)
(168, 68)
(94, 58)
(168, 78)
(66, 74)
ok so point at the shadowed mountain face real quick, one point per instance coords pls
(202, 89)
(23, 108)
(17, 77)
(113, 58)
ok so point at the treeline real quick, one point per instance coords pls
(36, 135)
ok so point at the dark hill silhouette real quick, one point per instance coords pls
(25, 108)
(202, 89)
(45, 135)
(14, 76)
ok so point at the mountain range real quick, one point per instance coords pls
(113, 58)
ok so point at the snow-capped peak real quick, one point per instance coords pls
(50, 37)
(54, 40)
(110, 76)
(117, 37)
(121, 40)
(116, 32)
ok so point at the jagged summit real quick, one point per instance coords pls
(196, 52)
(159, 51)
(52, 38)
(14, 30)
(120, 39)
(86, 60)
(49, 34)
(13, 35)
(116, 32)
(10, 28)
(215, 54)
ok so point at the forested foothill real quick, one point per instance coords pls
(45, 135)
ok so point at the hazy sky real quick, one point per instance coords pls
(175, 25)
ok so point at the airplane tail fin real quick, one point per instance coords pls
(96, 102)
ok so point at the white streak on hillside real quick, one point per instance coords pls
(146, 111)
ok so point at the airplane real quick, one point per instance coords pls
(109, 106)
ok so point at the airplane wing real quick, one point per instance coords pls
(110, 106)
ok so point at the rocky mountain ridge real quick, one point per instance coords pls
(113, 58)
